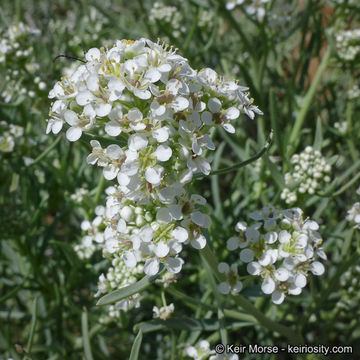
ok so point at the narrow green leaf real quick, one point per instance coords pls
(12, 292)
(274, 118)
(127, 291)
(318, 135)
(14, 182)
(121, 141)
(237, 166)
(215, 187)
(331, 161)
(85, 335)
(46, 151)
(294, 136)
(33, 326)
(191, 300)
(134, 355)
(353, 181)
(275, 173)
(187, 323)
(339, 179)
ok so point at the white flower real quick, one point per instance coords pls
(200, 351)
(231, 4)
(353, 215)
(163, 312)
(78, 124)
(232, 282)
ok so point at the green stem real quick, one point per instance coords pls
(243, 163)
(291, 335)
(46, 151)
(163, 298)
(99, 189)
(218, 297)
(294, 136)
(190, 34)
(346, 186)
(85, 336)
(32, 328)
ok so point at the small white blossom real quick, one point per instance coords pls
(282, 255)
(310, 172)
(163, 312)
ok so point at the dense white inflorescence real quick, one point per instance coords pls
(280, 247)
(350, 282)
(157, 113)
(17, 63)
(167, 15)
(13, 42)
(348, 44)
(253, 7)
(117, 277)
(79, 195)
(309, 173)
(8, 134)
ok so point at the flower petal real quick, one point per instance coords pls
(73, 133)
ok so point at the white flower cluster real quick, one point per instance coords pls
(84, 251)
(348, 44)
(147, 94)
(354, 92)
(206, 18)
(231, 4)
(8, 134)
(254, 7)
(350, 283)
(310, 172)
(163, 312)
(202, 351)
(17, 64)
(169, 15)
(281, 248)
(79, 195)
(92, 22)
(21, 84)
(349, 4)
(14, 42)
(341, 127)
(150, 233)
(166, 279)
(117, 277)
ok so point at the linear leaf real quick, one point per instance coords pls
(186, 323)
(318, 135)
(127, 291)
(32, 327)
(85, 335)
(134, 355)
(275, 173)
